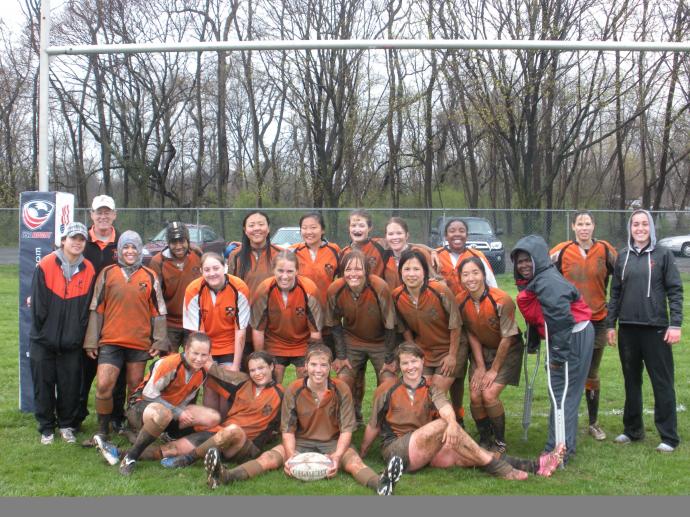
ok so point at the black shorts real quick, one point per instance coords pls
(224, 358)
(398, 447)
(135, 417)
(120, 355)
(286, 361)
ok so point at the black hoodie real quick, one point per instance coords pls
(641, 283)
(554, 293)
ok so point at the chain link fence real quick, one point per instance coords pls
(425, 225)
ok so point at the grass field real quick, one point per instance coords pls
(30, 469)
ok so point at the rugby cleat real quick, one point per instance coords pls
(175, 462)
(213, 468)
(108, 450)
(127, 466)
(390, 476)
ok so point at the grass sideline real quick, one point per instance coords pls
(30, 469)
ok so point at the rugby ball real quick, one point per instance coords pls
(309, 466)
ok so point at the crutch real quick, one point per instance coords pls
(558, 412)
(529, 380)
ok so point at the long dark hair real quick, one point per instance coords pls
(244, 256)
(412, 254)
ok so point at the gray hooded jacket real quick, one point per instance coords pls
(553, 291)
(642, 282)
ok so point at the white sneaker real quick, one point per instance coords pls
(47, 439)
(664, 447)
(68, 435)
(596, 432)
(622, 439)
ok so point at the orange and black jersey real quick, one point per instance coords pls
(311, 418)
(60, 307)
(491, 319)
(174, 276)
(258, 414)
(321, 268)
(588, 270)
(218, 314)
(449, 264)
(390, 272)
(364, 317)
(375, 252)
(286, 323)
(127, 305)
(259, 270)
(399, 409)
(430, 318)
(171, 381)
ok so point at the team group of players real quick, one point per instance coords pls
(418, 315)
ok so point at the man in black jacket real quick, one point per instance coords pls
(644, 278)
(101, 251)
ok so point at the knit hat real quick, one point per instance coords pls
(129, 237)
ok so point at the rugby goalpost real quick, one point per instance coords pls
(46, 52)
(33, 245)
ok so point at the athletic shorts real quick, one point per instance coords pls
(398, 447)
(120, 355)
(224, 359)
(286, 361)
(510, 369)
(135, 416)
(304, 445)
(358, 359)
(458, 373)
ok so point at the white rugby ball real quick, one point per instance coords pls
(310, 466)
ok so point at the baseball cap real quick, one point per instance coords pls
(103, 201)
(76, 228)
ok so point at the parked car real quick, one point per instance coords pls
(480, 236)
(286, 236)
(679, 245)
(202, 236)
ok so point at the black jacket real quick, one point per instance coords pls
(642, 282)
(100, 258)
(60, 308)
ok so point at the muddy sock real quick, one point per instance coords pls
(104, 409)
(485, 432)
(247, 470)
(530, 466)
(498, 467)
(144, 439)
(498, 421)
(202, 449)
(367, 477)
(592, 397)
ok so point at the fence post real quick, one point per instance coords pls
(567, 225)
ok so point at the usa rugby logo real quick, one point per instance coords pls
(36, 213)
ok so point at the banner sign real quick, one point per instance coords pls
(43, 217)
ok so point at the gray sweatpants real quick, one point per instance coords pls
(579, 359)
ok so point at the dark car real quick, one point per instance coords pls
(203, 237)
(480, 236)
